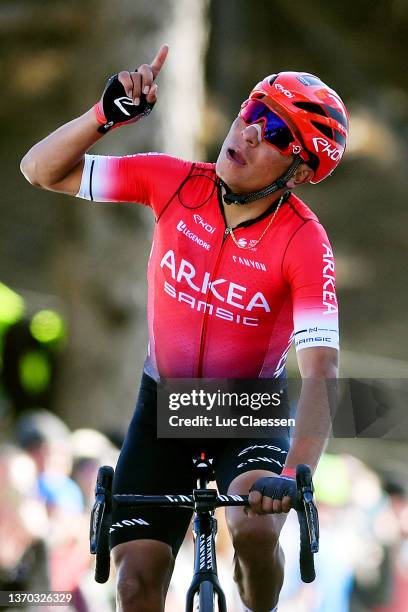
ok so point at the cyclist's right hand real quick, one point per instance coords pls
(129, 96)
(272, 495)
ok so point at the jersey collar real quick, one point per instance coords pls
(270, 210)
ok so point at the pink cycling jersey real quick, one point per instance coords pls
(215, 309)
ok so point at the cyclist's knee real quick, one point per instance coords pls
(143, 572)
(133, 595)
(252, 535)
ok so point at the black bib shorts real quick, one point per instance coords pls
(151, 466)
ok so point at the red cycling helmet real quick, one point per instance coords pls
(315, 113)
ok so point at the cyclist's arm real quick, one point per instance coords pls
(57, 161)
(313, 422)
(310, 270)
(151, 179)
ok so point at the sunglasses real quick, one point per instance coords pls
(275, 131)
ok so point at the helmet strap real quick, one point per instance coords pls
(246, 198)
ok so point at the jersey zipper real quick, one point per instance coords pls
(208, 301)
(227, 232)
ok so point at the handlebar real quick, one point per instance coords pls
(177, 501)
(202, 500)
(207, 500)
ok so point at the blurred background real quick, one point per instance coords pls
(72, 275)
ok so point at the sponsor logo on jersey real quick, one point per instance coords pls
(285, 92)
(134, 522)
(208, 228)
(182, 227)
(202, 289)
(206, 308)
(329, 283)
(271, 447)
(244, 243)
(249, 263)
(316, 335)
(323, 146)
(222, 289)
(260, 460)
(319, 340)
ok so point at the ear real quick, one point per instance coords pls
(303, 174)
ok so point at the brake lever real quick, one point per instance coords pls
(305, 492)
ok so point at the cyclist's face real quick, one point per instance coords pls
(245, 163)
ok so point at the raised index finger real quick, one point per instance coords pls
(159, 60)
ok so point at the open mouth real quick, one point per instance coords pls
(235, 156)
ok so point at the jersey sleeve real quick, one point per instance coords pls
(309, 269)
(146, 178)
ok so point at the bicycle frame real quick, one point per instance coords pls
(204, 531)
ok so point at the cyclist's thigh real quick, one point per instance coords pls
(240, 456)
(151, 466)
(239, 465)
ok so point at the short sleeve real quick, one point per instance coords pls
(146, 178)
(309, 269)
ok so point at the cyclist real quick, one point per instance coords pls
(239, 267)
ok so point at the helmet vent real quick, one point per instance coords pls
(339, 138)
(324, 129)
(311, 107)
(272, 79)
(337, 115)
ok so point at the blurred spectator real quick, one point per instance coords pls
(398, 600)
(375, 533)
(23, 525)
(46, 439)
(90, 450)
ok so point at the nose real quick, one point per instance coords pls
(252, 134)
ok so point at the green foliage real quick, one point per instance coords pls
(34, 371)
(48, 327)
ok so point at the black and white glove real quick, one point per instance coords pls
(115, 108)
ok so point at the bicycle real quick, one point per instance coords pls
(205, 585)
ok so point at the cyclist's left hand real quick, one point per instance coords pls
(272, 495)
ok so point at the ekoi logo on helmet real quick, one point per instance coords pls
(285, 92)
(323, 146)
